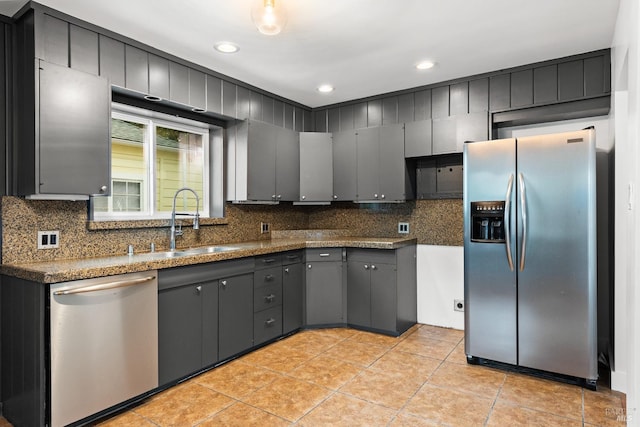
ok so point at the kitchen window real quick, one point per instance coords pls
(152, 156)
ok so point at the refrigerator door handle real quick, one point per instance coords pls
(507, 222)
(523, 206)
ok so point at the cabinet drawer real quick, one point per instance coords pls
(267, 324)
(269, 260)
(267, 297)
(380, 256)
(292, 257)
(268, 276)
(324, 254)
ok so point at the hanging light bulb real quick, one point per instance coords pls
(269, 19)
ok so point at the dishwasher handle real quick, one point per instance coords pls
(105, 286)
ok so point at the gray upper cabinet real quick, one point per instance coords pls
(459, 98)
(55, 40)
(570, 80)
(214, 94)
(178, 83)
(545, 84)
(268, 109)
(83, 47)
(440, 102)
(316, 167)
(479, 95)
(287, 165)
(255, 106)
(450, 133)
(344, 166)
(261, 174)
(158, 77)
(112, 60)
(229, 101)
(417, 138)
(522, 88)
(444, 136)
(136, 69)
(197, 90)
(368, 162)
(499, 92)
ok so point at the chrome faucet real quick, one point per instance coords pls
(196, 218)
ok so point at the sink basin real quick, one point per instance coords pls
(166, 255)
(211, 249)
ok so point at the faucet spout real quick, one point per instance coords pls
(196, 218)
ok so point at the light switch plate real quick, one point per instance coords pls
(48, 239)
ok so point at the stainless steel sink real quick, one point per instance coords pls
(211, 249)
(165, 255)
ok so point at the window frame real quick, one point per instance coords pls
(210, 206)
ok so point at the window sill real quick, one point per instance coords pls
(149, 223)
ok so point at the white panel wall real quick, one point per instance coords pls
(440, 281)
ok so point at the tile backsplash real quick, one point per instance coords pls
(434, 222)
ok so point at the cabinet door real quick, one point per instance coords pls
(324, 293)
(83, 50)
(383, 297)
(209, 295)
(359, 293)
(444, 135)
(197, 90)
(261, 179)
(471, 127)
(235, 315)
(73, 159)
(179, 332)
(344, 166)
(158, 77)
(417, 138)
(292, 283)
(136, 69)
(178, 83)
(316, 167)
(287, 165)
(112, 60)
(392, 170)
(368, 163)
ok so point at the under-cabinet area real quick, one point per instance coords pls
(209, 311)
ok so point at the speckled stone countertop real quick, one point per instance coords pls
(76, 269)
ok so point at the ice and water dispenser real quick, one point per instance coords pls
(487, 222)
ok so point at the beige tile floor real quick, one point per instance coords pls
(344, 377)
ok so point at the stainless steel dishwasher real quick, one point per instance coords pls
(104, 343)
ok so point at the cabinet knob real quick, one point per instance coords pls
(273, 196)
(198, 289)
(303, 197)
(366, 267)
(279, 196)
(223, 283)
(103, 189)
(382, 196)
(268, 278)
(286, 270)
(270, 322)
(375, 196)
(373, 267)
(309, 266)
(269, 298)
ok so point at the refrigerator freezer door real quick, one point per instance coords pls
(557, 260)
(490, 280)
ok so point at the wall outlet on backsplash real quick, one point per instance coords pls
(403, 227)
(48, 239)
(264, 227)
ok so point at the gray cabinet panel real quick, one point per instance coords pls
(320, 121)
(384, 304)
(459, 98)
(179, 332)
(3, 117)
(289, 112)
(301, 119)
(267, 109)
(422, 105)
(112, 60)
(178, 83)
(158, 76)
(522, 88)
(595, 77)
(471, 127)
(333, 120)
(444, 135)
(267, 325)
(255, 108)
(235, 315)
(55, 40)
(346, 118)
(209, 295)
(292, 297)
(405, 108)
(136, 69)
(440, 102)
(73, 159)
(367, 164)
(316, 167)
(243, 103)
(278, 113)
(545, 84)
(83, 45)
(214, 94)
(570, 80)
(197, 89)
(324, 293)
(374, 113)
(479, 95)
(417, 138)
(269, 295)
(229, 99)
(344, 166)
(390, 110)
(359, 293)
(392, 168)
(261, 180)
(307, 121)
(287, 165)
(499, 92)
(360, 115)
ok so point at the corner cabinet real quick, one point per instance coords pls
(64, 148)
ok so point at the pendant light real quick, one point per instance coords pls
(267, 17)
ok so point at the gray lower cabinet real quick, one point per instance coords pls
(292, 291)
(235, 315)
(381, 289)
(267, 301)
(324, 286)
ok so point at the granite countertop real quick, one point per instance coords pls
(76, 269)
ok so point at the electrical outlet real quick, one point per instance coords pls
(264, 227)
(48, 239)
(403, 227)
(458, 305)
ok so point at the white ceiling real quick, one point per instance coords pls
(362, 47)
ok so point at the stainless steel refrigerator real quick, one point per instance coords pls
(530, 254)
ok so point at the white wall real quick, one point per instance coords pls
(440, 281)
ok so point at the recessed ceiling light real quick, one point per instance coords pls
(425, 65)
(325, 88)
(226, 47)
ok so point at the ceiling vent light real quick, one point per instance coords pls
(425, 65)
(325, 88)
(268, 18)
(226, 47)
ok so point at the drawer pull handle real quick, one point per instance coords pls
(324, 255)
(270, 322)
(268, 278)
(268, 260)
(292, 256)
(269, 298)
(105, 286)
